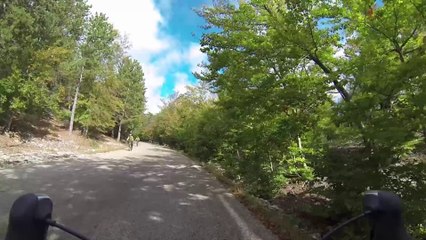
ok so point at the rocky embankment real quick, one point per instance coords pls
(37, 150)
(16, 151)
(10, 160)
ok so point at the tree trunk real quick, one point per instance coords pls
(424, 133)
(238, 155)
(299, 142)
(112, 133)
(337, 85)
(9, 123)
(271, 165)
(119, 131)
(74, 105)
(86, 131)
(69, 98)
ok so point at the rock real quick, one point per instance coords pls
(264, 201)
(275, 207)
(316, 236)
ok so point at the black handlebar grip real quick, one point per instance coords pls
(27, 215)
(386, 216)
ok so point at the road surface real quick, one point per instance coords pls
(149, 193)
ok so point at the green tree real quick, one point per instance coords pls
(30, 33)
(97, 58)
(132, 92)
(334, 88)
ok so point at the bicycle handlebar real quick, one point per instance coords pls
(386, 216)
(30, 218)
(26, 218)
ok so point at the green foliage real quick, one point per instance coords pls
(330, 92)
(46, 46)
(131, 92)
(21, 95)
(247, 149)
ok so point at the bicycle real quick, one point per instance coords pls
(31, 216)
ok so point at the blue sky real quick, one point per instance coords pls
(164, 37)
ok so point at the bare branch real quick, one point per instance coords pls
(343, 93)
(395, 26)
(411, 50)
(379, 31)
(418, 10)
(268, 10)
(312, 35)
(409, 37)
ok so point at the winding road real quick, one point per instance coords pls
(149, 193)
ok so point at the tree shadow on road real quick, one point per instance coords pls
(151, 197)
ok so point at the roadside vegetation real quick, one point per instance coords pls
(306, 104)
(309, 104)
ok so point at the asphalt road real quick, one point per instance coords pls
(149, 193)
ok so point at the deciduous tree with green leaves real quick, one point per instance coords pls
(331, 90)
(59, 61)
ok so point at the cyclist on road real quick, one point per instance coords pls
(130, 141)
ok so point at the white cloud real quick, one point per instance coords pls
(153, 82)
(195, 57)
(142, 21)
(166, 5)
(170, 59)
(190, 54)
(182, 82)
(139, 20)
(339, 53)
